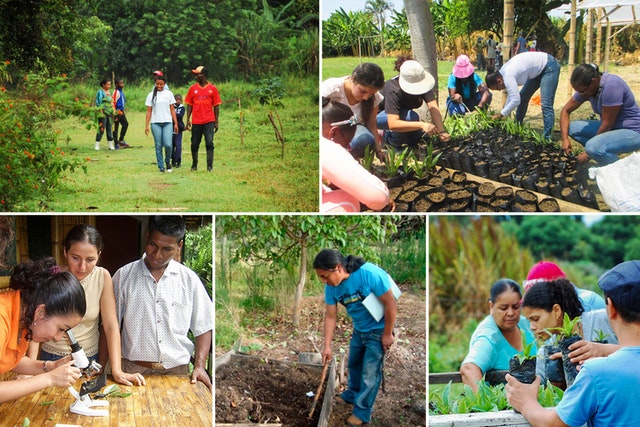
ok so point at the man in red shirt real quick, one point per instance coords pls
(203, 101)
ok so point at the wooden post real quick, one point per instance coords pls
(607, 49)
(508, 19)
(599, 37)
(572, 44)
(588, 54)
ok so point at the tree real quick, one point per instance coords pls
(341, 32)
(423, 39)
(37, 34)
(379, 9)
(509, 27)
(397, 33)
(285, 242)
(549, 236)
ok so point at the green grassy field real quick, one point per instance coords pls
(343, 66)
(247, 176)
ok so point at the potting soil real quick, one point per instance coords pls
(496, 155)
(524, 371)
(570, 369)
(264, 391)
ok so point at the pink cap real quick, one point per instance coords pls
(543, 271)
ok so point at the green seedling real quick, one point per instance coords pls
(367, 160)
(600, 336)
(567, 328)
(395, 161)
(527, 350)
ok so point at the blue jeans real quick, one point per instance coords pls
(467, 105)
(603, 148)
(365, 372)
(547, 82)
(362, 139)
(163, 138)
(399, 139)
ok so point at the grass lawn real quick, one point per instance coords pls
(247, 176)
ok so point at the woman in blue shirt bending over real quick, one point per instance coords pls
(499, 336)
(348, 281)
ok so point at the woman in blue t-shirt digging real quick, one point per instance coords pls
(348, 281)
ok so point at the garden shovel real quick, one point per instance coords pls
(322, 378)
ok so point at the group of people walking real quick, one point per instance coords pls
(164, 118)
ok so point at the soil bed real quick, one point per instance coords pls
(266, 391)
(404, 402)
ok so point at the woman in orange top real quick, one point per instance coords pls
(41, 305)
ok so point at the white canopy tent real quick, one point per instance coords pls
(615, 12)
(605, 14)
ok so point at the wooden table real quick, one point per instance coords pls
(165, 401)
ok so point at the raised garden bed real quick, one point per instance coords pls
(257, 391)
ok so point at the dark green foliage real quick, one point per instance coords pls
(199, 254)
(132, 38)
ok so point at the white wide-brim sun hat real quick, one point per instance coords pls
(414, 79)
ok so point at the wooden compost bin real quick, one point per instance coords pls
(477, 419)
(327, 401)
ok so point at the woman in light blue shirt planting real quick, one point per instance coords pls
(499, 336)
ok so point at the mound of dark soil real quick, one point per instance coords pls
(266, 391)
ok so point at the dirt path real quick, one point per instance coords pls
(404, 402)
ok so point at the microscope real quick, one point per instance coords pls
(84, 405)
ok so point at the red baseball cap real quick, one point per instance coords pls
(543, 271)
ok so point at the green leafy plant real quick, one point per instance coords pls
(32, 163)
(487, 399)
(367, 160)
(601, 337)
(396, 161)
(527, 350)
(567, 328)
(550, 395)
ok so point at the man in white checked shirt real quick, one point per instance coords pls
(158, 301)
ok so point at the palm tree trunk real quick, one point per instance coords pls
(423, 39)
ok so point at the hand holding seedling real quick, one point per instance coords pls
(521, 395)
(585, 350)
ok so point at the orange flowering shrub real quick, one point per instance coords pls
(32, 164)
